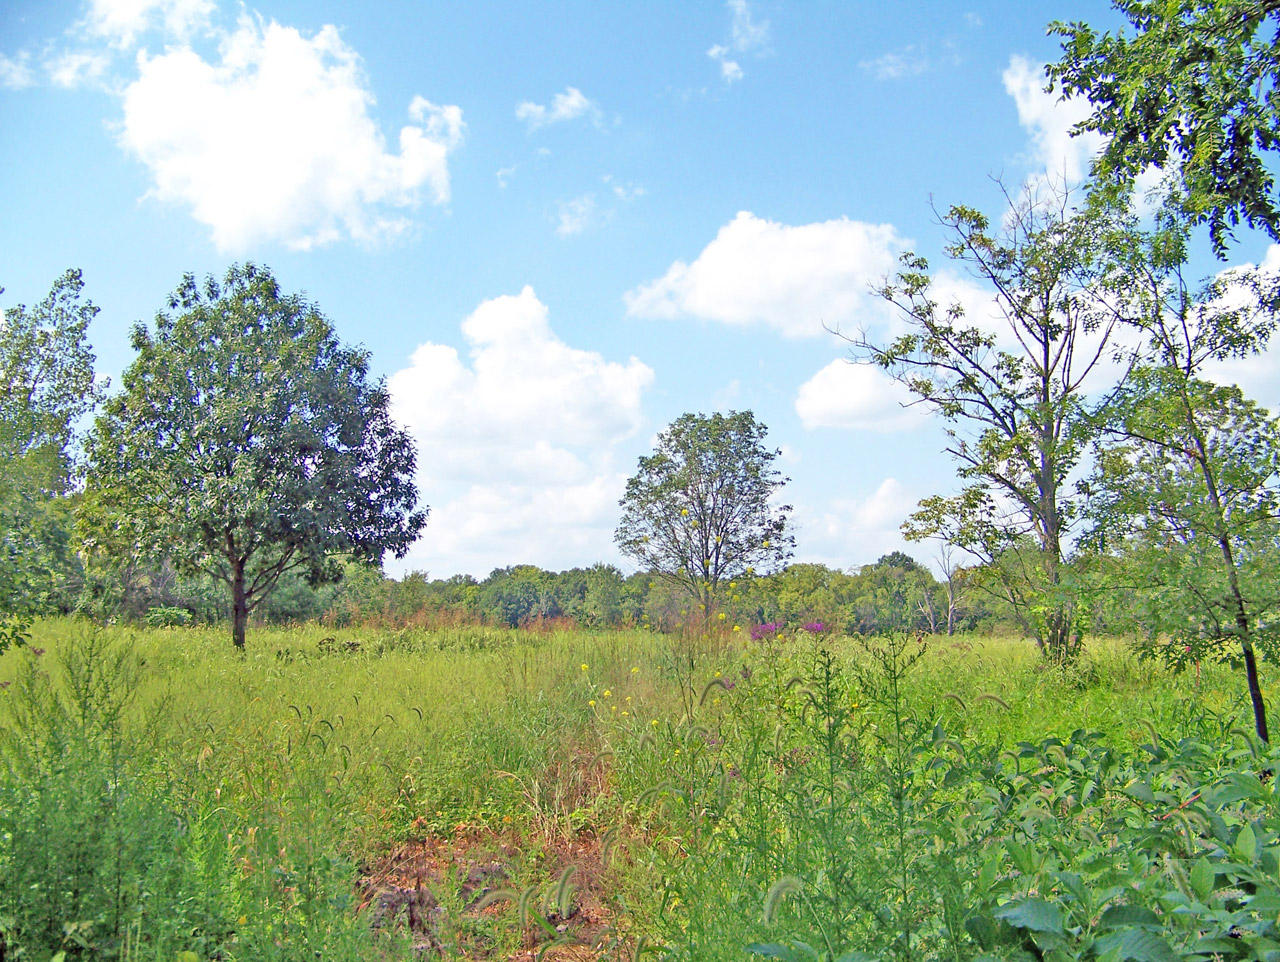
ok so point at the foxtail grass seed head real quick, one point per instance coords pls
(787, 885)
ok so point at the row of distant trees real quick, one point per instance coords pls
(893, 594)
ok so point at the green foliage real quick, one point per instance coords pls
(46, 367)
(1184, 496)
(119, 847)
(698, 510)
(246, 443)
(1187, 499)
(239, 798)
(161, 616)
(1191, 91)
(828, 807)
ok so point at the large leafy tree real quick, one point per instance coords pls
(1011, 387)
(700, 510)
(1191, 90)
(46, 385)
(248, 442)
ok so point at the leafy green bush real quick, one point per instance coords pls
(162, 616)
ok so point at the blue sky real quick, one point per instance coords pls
(556, 227)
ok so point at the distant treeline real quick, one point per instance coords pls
(896, 593)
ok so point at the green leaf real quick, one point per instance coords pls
(987, 877)
(1246, 844)
(1266, 904)
(1141, 791)
(855, 956)
(982, 929)
(1136, 945)
(1202, 878)
(1034, 914)
(1118, 916)
(1024, 857)
(1239, 787)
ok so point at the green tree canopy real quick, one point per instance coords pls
(700, 509)
(248, 442)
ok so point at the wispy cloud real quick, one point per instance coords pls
(908, 61)
(570, 105)
(76, 68)
(15, 73)
(577, 215)
(627, 191)
(746, 35)
(122, 22)
(1056, 155)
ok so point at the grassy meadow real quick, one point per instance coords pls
(480, 793)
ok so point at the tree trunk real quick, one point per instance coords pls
(1246, 641)
(239, 605)
(1060, 644)
(1255, 692)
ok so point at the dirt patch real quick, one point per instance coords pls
(435, 890)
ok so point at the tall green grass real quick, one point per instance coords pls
(161, 794)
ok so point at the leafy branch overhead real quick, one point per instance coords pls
(1191, 90)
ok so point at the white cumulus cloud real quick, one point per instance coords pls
(794, 279)
(274, 142)
(515, 440)
(857, 531)
(122, 21)
(570, 105)
(856, 396)
(1049, 119)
